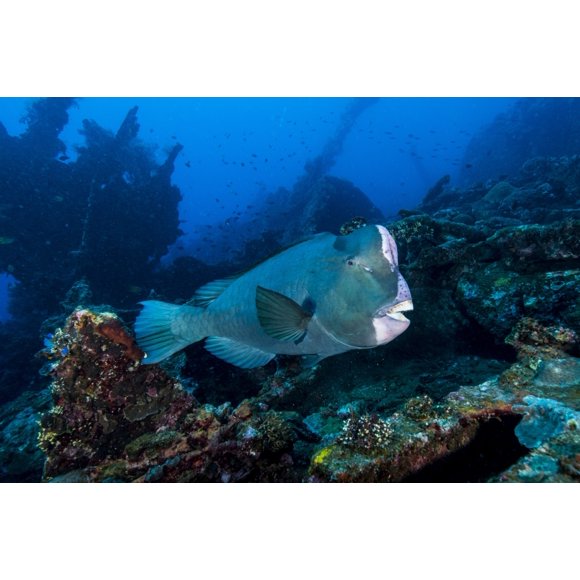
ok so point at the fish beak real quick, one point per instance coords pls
(396, 311)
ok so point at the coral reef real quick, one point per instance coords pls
(99, 390)
(115, 420)
(484, 257)
(489, 428)
(532, 274)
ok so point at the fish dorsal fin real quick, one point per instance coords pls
(237, 353)
(281, 317)
(207, 293)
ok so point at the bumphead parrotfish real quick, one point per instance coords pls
(321, 297)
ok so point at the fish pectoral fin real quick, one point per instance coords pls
(311, 360)
(207, 293)
(237, 353)
(281, 317)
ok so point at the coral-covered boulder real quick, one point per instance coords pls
(530, 272)
(113, 419)
(103, 398)
(20, 457)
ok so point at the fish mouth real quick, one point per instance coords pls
(396, 311)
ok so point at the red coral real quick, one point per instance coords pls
(115, 332)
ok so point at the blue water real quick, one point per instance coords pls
(396, 149)
(6, 281)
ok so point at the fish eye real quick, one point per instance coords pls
(353, 261)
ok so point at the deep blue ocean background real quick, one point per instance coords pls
(237, 150)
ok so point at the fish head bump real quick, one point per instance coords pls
(365, 308)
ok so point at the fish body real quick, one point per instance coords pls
(321, 297)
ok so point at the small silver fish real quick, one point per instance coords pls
(321, 297)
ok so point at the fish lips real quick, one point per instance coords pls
(389, 321)
(395, 311)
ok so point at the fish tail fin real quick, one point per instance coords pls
(162, 329)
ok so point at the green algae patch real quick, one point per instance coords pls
(499, 193)
(149, 444)
(115, 471)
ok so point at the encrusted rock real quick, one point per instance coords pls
(113, 419)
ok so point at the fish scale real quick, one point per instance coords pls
(321, 297)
